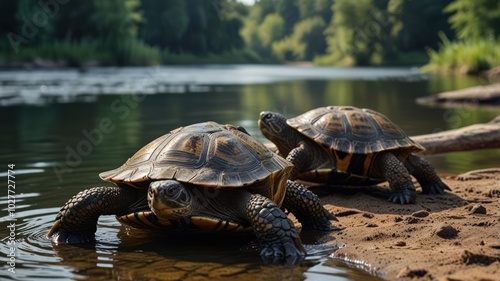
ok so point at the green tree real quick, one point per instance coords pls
(475, 19)
(210, 29)
(33, 22)
(310, 8)
(249, 35)
(268, 22)
(415, 31)
(346, 42)
(165, 23)
(193, 26)
(358, 33)
(289, 11)
(107, 21)
(305, 43)
(7, 17)
(261, 9)
(271, 29)
(116, 19)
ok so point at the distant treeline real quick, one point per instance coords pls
(329, 32)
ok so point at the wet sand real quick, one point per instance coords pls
(455, 236)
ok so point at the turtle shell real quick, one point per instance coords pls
(208, 155)
(352, 130)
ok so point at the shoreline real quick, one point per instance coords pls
(454, 236)
(43, 63)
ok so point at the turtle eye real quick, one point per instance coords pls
(172, 190)
(268, 116)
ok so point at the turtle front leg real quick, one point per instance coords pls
(275, 231)
(394, 171)
(298, 157)
(425, 174)
(77, 219)
(307, 208)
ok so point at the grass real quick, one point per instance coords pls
(409, 58)
(465, 56)
(400, 59)
(71, 52)
(128, 52)
(135, 53)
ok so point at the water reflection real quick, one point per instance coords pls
(128, 254)
(131, 264)
(62, 136)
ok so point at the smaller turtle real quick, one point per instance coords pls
(201, 178)
(348, 145)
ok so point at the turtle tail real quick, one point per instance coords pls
(76, 221)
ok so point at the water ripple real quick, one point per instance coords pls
(122, 253)
(40, 87)
(22, 172)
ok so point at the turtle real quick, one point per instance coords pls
(201, 178)
(351, 146)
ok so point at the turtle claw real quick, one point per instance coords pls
(320, 224)
(403, 197)
(329, 216)
(286, 252)
(434, 188)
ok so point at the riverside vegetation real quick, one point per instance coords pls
(449, 35)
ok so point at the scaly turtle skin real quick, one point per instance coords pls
(201, 178)
(348, 145)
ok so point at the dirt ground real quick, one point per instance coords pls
(455, 236)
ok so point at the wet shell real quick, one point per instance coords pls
(208, 155)
(353, 130)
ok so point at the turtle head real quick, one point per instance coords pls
(274, 127)
(169, 199)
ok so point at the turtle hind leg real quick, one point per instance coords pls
(426, 175)
(307, 208)
(394, 171)
(275, 231)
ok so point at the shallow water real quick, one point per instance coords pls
(61, 128)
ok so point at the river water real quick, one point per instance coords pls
(61, 128)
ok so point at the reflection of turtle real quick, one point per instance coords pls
(201, 178)
(347, 145)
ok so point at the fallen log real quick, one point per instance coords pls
(477, 136)
(491, 73)
(489, 94)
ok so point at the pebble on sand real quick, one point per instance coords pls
(420, 214)
(446, 231)
(478, 209)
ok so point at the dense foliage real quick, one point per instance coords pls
(477, 24)
(344, 32)
(119, 32)
(332, 32)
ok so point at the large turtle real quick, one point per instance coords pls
(204, 177)
(348, 145)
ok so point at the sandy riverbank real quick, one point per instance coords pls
(455, 236)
